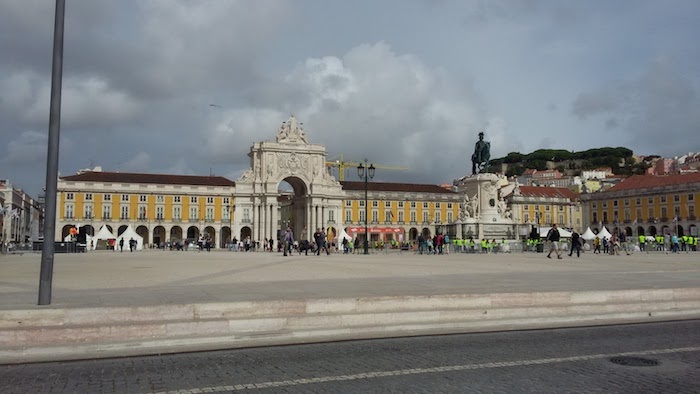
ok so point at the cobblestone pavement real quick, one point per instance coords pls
(562, 360)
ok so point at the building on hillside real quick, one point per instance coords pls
(664, 166)
(552, 178)
(543, 205)
(598, 173)
(21, 217)
(646, 204)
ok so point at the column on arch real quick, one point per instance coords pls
(217, 237)
(274, 222)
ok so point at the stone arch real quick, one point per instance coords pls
(640, 230)
(175, 233)
(225, 236)
(143, 232)
(210, 232)
(192, 233)
(679, 230)
(109, 227)
(121, 229)
(88, 229)
(426, 232)
(693, 230)
(66, 231)
(245, 233)
(652, 231)
(628, 231)
(294, 209)
(159, 235)
(413, 234)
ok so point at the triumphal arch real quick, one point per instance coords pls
(262, 210)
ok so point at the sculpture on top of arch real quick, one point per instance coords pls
(291, 132)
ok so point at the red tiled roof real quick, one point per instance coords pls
(395, 187)
(545, 191)
(161, 179)
(649, 181)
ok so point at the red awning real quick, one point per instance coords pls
(385, 230)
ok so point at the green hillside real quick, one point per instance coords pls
(619, 159)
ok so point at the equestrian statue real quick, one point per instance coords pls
(481, 156)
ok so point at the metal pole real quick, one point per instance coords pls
(366, 213)
(47, 252)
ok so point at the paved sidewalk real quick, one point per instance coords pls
(167, 277)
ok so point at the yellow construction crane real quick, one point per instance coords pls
(343, 165)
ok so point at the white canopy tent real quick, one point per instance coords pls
(128, 234)
(588, 235)
(103, 234)
(604, 233)
(562, 233)
(341, 236)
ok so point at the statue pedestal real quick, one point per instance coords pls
(487, 217)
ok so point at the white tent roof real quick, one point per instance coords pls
(588, 234)
(104, 233)
(562, 233)
(342, 235)
(604, 233)
(127, 235)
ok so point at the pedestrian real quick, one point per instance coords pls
(288, 241)
(553, 237)
(132, 245)
(575, 244)
(121, 245)
(596, 245)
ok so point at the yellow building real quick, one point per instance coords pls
(647, 204)
(543, 205)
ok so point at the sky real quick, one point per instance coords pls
(400, 82)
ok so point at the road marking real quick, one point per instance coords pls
(417, 371)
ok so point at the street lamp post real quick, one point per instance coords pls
(367, 173)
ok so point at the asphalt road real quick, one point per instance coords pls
(542, 361)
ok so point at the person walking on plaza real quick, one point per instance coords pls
(596, 245)
(575, 244)
(553, 237)
(623, 242)
(121, 245)
(288, 238)
(132, 245)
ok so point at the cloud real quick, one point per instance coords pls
(141, 162)
(29, 147)
(657, 109)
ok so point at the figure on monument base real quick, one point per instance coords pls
(481, 155)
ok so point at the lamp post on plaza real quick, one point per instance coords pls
(537, 216)
(367, 173)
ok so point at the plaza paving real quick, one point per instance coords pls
(167, 277)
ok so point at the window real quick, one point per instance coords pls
(561, 208)
(124, 212)
(177, 215)
(88, 213)
(401, 203)
(526, 208)
(387, 204)
(638, 201)
(605, 204)
(160, 199)
(348, 216)
(627, 202)
(209, 215)
(691, 197)
(676, 198)
(388, 216)
(615, 216)
(449, 217)
(691, 212)
(664, 213)
(449, 205)
(193, 199)
(663, 199)
(614, 203)
(561, 218)
(362, 203)
(526, 217)
(605, 217)
(413, 216)
(546, 208)
(69, 211)
(70, 196)
(159, 213)
(677, 212)
(650, 200)
(227, 201)
(348, 203)
(225, 214)
(375, 204)
(106, 212)
(638, 214)
(362, 216)
(246, 215)
(595, 217)
(143, 198)
(142, 212)
(628, 217)
(375, 216)
(400, 216)
(438, 217)
(88, 196)
(425, 217)
(651, 213)
(537, 208)
(413, 204)
(107, 197)
(331, 216)
(177, 199)
(425, 205)
(595, 204)
(437, 205)
(210, 200)
(194, 213)
(125, 197)
(547, 218)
